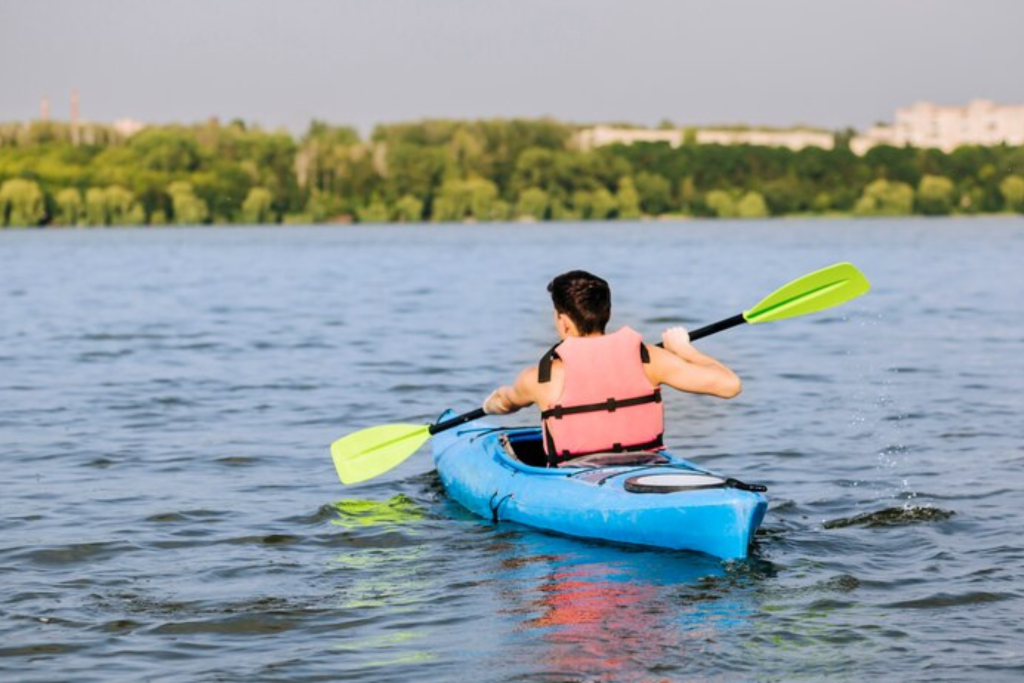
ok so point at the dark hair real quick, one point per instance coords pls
(585, 298)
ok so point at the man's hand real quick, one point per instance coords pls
(499, 403)
(677, 340)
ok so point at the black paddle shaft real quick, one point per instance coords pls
(711, 329)
(457, 420)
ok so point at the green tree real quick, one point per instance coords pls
(112, 205)
(297, 219)
(223, 186)
(785, 195)
(446, 210)
(822, 202)
(595, 205)
(21, 203)
(70, 207)
(935, 195)
(409, 209)
(533, 203)
(972, 197)
(687, 194)
(602, 204)
(452, 202)
(842, 138)
(896, 164)
(1012, 189)
(258, 206)
(535, 167)
(376, 212)
(467, 153)
(460, 199)
(171, 149)
(97, 213)
(627, 200)
(122, 209)
(560, 211)
(188, 208)
(500, 210)
(752, 205)
(322, 206)
(720, 203)
(326, 158)
(413, 169)
(886, 198)
(655, 193)
(483, 200)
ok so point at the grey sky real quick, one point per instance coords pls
(778, 62)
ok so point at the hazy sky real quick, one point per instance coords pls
(826, 62)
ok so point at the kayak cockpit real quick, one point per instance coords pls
(527, 447)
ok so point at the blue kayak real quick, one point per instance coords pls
(651, 499)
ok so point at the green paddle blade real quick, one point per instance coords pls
(811, 293)
(374, 451)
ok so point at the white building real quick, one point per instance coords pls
(128, 127)
(599, 136)
(795, 140)
(924, 124)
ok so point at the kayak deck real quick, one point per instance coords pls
(657, 500)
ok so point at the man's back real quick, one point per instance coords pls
(582, 308)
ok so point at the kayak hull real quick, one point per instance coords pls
(478, 471)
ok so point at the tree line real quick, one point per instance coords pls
(485, 170)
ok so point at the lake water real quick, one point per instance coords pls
(169, 510)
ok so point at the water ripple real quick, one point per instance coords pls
(170, 512)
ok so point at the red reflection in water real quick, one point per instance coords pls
(613, 630)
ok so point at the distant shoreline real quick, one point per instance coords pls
(659, 220)
(442, 171)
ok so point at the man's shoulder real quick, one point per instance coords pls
(528, 376)
(660, 361)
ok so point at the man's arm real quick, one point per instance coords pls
(509, 399)
(683, 367)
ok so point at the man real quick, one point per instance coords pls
(600, 392)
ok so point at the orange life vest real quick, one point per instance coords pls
(607, 402)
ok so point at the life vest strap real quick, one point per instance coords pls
(544, 366)
(611, 405)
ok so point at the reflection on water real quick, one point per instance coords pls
(600, 622)
(354, 513)
(608, 613)
(595, 626)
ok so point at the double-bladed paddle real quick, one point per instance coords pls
(371, 452)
